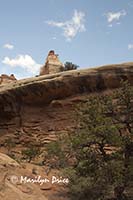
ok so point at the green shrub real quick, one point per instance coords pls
(30, 153)
(70, 66)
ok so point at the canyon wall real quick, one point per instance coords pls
(33, 110)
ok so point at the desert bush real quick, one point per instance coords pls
(70, 66)
(30, 153)
(9, 144)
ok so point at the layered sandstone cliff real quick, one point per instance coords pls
(42, 105)
(33, 110)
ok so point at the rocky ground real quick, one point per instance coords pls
(13, 186)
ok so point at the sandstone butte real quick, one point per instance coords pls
(34, 110)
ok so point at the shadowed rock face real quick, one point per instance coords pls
(41, 106)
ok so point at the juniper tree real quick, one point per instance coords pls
(101, 146)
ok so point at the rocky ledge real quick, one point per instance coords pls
(44, 89)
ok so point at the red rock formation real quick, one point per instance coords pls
(52, 64)
(44, 104)
(4, 79)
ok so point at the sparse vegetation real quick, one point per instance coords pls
(56, 154)
(30, 153)
(9, 144)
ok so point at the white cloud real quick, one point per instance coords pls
(130, 46)
(24, 61)
(71, 27)
(8, 46)
(115, 16)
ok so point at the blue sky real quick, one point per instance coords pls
(85, 32)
